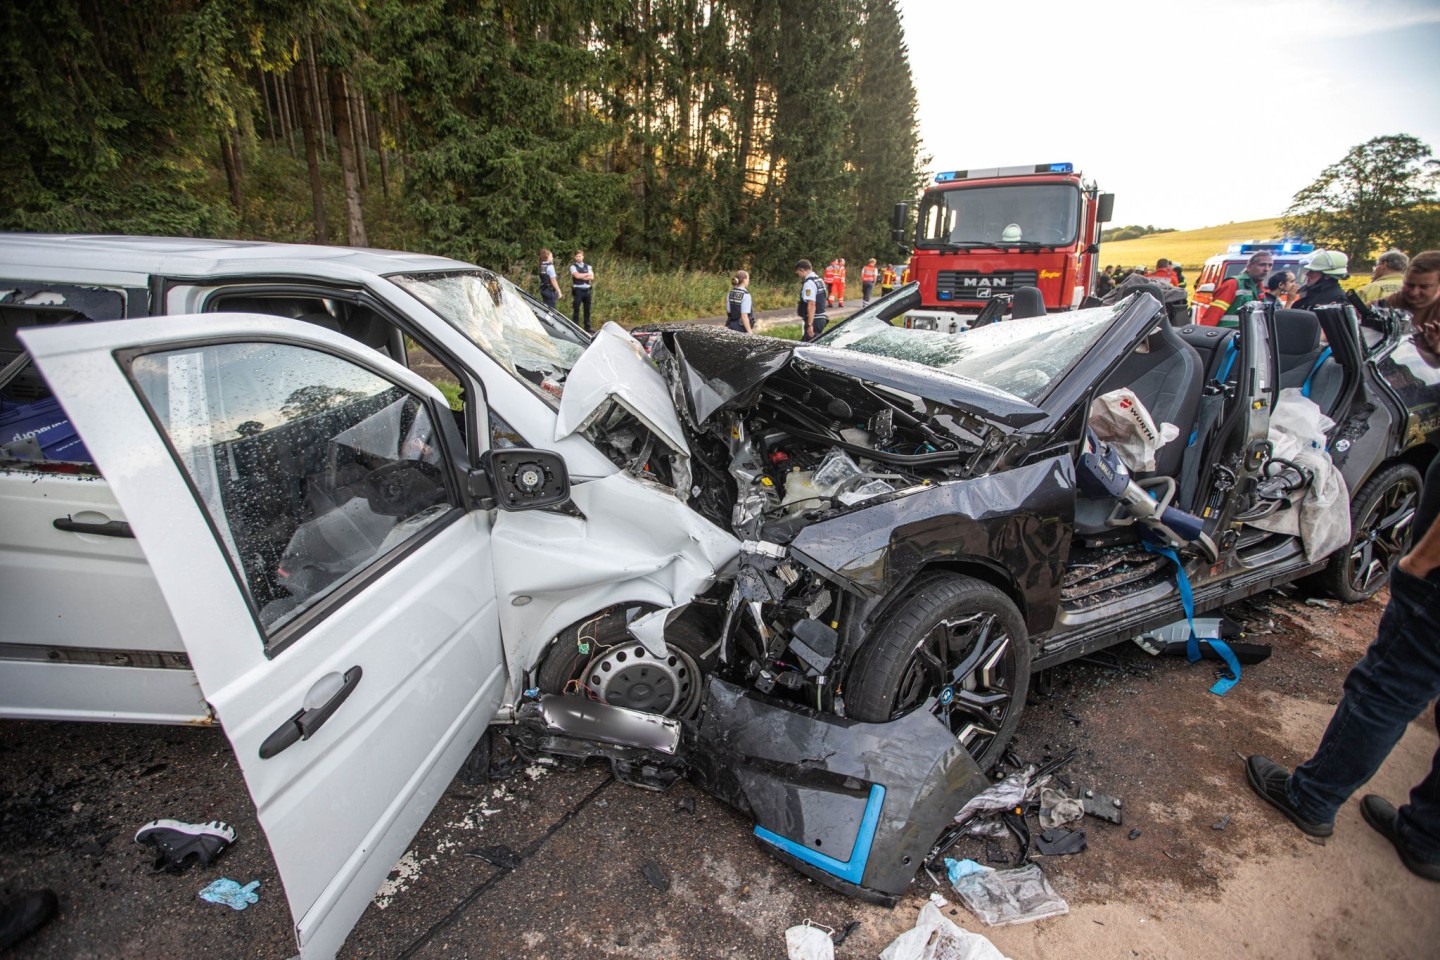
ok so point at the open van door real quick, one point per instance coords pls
(301, 501)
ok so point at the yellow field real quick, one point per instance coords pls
(1190, 247)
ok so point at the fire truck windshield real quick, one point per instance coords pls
(1020, 215)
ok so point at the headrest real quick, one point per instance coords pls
(1296, 332)
(1027, 302)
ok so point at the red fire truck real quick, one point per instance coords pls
(981, 233)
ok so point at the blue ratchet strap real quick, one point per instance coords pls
(1192, 646)
(1305, 387)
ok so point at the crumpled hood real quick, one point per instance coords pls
(719, 368)
(614, 366)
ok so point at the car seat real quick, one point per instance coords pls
(1168, 377)
(1302, 357)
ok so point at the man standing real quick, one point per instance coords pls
(1420, 294)
(1398, 676)
(1234, 293)
(1387, 278)
(811, 306)
(868, 275)
(582, 275)
(549, 285)
(840, 279)
(832, 277)
(1322, 280)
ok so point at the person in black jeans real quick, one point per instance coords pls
(1398, 676)
(582, 275)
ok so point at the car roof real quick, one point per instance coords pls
(186, 256)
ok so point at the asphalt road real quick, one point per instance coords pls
(1146, 730)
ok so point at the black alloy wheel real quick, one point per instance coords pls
(1381, 516)
(958, 641)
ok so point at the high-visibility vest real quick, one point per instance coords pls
(868, 273)
(832, 269)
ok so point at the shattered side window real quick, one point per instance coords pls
(534, 344)
(1022, 357)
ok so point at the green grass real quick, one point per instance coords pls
(783, 331)
(632, 294)
(1191, 248)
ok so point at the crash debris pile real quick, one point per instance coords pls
(936, 937)
(180, 845)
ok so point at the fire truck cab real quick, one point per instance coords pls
(1288, 254)
(986, 232)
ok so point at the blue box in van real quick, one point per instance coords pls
(46, 427)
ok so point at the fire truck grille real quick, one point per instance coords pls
(973, 285)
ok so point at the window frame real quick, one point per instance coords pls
(276, 642)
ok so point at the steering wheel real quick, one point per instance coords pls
(402, 488)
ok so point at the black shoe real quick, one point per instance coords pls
(1268, 779)
(1380, 814)
(23, 914)
(179, 843)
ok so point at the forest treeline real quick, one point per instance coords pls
(703, 134)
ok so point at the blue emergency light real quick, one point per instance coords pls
(950, 176)
(1273, 246)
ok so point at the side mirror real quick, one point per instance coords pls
(1105, 209)
(1093, 249)
(898, 218)
(1205, 288)
(522, 479)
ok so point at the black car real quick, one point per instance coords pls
(971, 529)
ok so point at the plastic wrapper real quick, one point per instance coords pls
(1004, 897)
(1005, 795)
(937, 937)
(1120, 418)
(836, 470)
(1321, 515)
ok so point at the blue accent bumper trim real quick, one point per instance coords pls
(852, 869)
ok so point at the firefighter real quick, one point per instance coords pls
(1234, 293)
(868, 275)
(840, 282)
(1322, 280)
(832, 276)
(887, 279)
(1162, 271)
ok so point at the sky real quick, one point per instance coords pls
(1193, 113)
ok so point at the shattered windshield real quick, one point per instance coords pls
(1021, 357)
(1041, 213)
(533, 343)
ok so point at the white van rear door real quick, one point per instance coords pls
(298, 497)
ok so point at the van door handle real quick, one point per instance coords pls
(306, 721)
(110, 528)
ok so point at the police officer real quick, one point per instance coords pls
(582, 275)
(549, 286)
(739, 314)
(812, 303)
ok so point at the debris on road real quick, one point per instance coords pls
(810, 941)
(231, 894)
(179, 844)
(843, 934)
(1102, 806)
(936, 937)
(1058, 810)
(1321, 603)
(1060, 843)
(1004, 897)
(655, 875)
(1222, 823)
(499, 855)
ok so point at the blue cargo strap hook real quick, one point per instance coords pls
(1192, 646)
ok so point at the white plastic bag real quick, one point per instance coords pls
(1119, 418)
(936, 937)
(1003, 897)
(806, 942)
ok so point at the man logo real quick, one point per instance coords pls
(983, 282)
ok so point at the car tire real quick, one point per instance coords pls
(1380, 520)
(616, 669)
(987, 663)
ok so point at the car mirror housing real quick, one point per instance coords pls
(518, 478)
